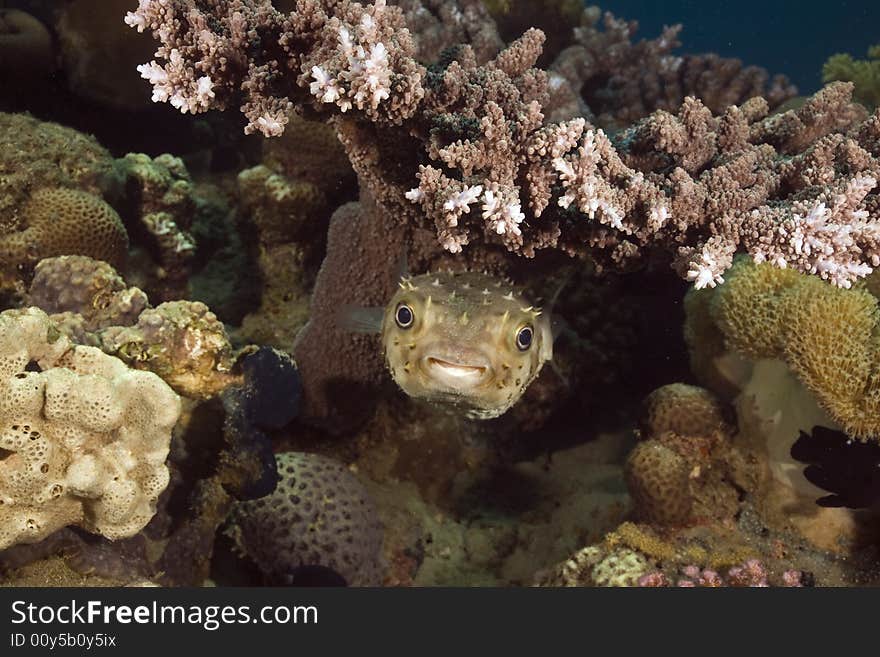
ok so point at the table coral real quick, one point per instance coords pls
(319, 515)
(623, 81)
(84, 438)
(476, 135)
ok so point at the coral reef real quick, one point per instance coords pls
(160, 198)
(181, 341)
(319, 515)
(84, 438)
(596, 566)
(484, 124)
(77, 291)
(863, 73)
(685, 469)
(543, 143)
(623, 82)
(58, 221)
(825, 335)
(36, 154)
(286, 216)
(707, 556)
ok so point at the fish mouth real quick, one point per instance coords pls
(455, 374)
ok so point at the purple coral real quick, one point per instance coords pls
(751, 573)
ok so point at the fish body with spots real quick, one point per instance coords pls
(467, 340)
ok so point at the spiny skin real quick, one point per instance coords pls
(461, 348)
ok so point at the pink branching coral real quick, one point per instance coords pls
(467, 147)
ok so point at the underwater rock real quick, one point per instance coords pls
(181, 341)
(99, 53)
(84, 438)
(320, 515)
(26, 49)
(89, 289)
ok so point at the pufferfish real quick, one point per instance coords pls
(466, 339)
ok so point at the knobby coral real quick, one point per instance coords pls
(467, 146)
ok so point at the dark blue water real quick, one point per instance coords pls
(783, 36)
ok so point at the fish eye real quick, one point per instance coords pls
(524, 338)
(404, 316)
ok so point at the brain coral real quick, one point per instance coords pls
(827, 336)
(83, 439)
(59, 221)
(658, 482)
(35, 154)
(319, 515)
(685, 467)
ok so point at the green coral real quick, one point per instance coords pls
(864, 73)
(829, 337)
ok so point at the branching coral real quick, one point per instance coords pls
(468, 148)
(83, 439)
(623, 81)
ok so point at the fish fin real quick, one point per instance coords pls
(358, 319)
(562, 377)
(552, 303)
(559, 326)
(401, 270)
